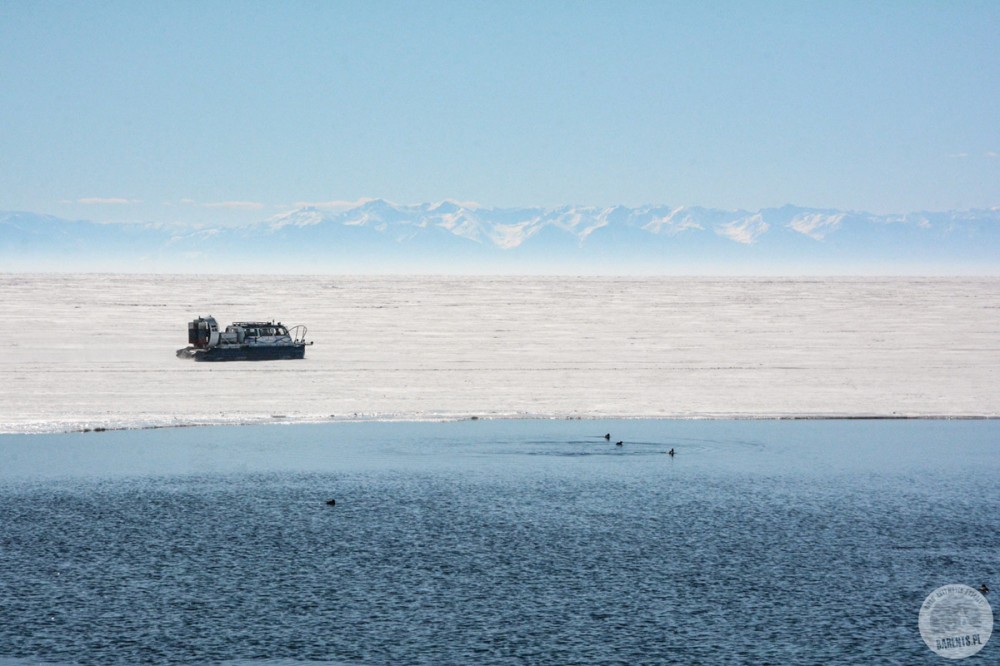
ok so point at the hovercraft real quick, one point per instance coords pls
(243, 341)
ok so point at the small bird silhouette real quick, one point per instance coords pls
(618, 443)
(331, 502)
(608, 437)
(670, 453)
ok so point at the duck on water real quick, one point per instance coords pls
(243, 341)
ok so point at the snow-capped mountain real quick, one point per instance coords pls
(451, 236)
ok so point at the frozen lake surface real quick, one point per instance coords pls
(98, 350)
(494, 542)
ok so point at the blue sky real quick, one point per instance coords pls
(232, 111)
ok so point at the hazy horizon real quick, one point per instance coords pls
(378, 237)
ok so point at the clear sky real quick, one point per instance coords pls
(229, 111)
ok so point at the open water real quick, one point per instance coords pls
(494, 542)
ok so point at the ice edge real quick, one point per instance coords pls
(73, 426)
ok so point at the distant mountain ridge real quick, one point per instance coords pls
(454, 235)
(510, 227)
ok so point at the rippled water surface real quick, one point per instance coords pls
(506, 542)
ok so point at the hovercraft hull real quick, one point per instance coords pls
(246, 353)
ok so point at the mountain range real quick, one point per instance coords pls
(452, 237)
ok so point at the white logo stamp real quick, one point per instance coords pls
(956, 621)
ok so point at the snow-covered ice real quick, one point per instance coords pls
(87, 351)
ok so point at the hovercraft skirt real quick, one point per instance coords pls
(251, 353)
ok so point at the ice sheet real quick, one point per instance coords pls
(89, 351)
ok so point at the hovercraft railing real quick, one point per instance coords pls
(298, 333)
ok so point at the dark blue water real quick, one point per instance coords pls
(508, 542)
